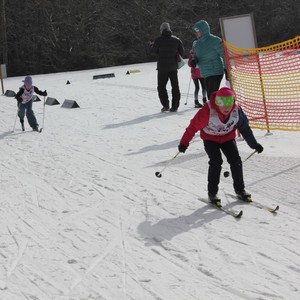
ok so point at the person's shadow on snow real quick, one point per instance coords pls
(143, 119)
(166, 229)
(10, 134)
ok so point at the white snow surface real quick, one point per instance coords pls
(83, 215)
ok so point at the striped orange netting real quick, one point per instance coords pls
(266, 82)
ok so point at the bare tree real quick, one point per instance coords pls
(54, 35)
(3, 34)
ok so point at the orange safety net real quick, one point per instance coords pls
(266, 82)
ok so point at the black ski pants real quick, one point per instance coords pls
(231, 153)
(162, 80)
(212, 84)
(197, 87)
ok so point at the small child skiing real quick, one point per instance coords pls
(24, 98)
(196, 76)
(217, 122)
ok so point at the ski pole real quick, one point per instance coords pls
(250, 155)
(43, 115)
(158, 174)
(15, 120)
(227, 173)
(187, 95)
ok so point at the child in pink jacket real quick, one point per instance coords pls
(196, 76)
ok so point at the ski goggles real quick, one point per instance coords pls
(226, 101)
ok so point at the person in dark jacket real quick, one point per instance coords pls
(24, 98)
(209, 56)
(167, 47)
(217, 122)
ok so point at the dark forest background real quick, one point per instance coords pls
(45, 36)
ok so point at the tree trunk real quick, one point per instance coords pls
(3, 34)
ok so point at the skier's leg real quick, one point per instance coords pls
(31, 116)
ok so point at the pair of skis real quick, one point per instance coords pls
(238, 214)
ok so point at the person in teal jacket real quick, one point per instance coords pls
(209, 56)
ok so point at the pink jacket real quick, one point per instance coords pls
(194, 71)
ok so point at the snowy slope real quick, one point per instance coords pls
(84, 217)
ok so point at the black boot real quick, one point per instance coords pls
(204, 100)
(197, 104)
(244, 196)
(214, 199)
(22, 125)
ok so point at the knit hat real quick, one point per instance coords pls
(164, 26)
(224, 97)
(28, 81)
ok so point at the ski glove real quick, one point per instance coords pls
(44, 93)
(19, 99)
(259, 148)
(182, 148)
(193, 63)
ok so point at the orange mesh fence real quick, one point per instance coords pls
(266, 82)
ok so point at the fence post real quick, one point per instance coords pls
(1, 79)
(262, 89)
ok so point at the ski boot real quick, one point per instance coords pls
(36, 128)
(244, 196)
(197, 104)
(22, 124)
(214, 199)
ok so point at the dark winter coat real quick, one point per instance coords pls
(24, 96)
(201, 120)
(166, 47)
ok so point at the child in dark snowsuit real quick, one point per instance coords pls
(217, 121)
(24, 98)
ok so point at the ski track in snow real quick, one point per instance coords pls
(84, 217)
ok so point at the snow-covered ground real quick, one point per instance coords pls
(83, 215)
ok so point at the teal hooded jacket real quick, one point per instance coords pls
(208, 51)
